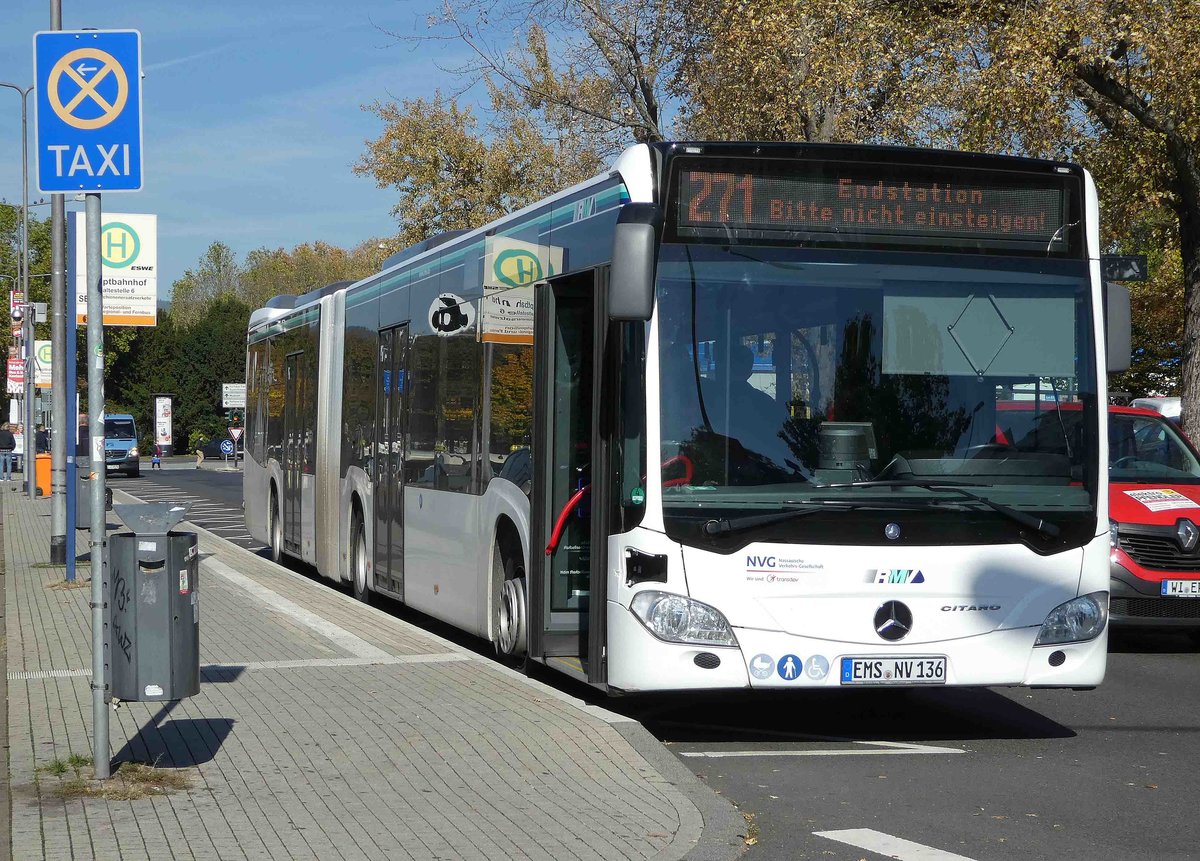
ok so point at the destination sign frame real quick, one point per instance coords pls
(870, 204)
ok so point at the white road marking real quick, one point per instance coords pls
(892, 847)
(352, 643)
(880, 748)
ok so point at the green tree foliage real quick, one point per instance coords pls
(782, 70)
(269, 272)
(39, 267)
(449, 175)
(1112, 85)
(190, 362)
(218, 274)
(200, 342)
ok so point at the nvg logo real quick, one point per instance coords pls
(760, 562)
(517, 267)
(899, 576)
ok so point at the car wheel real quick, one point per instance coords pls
(359, 573)
(275, 530)
(510, 606)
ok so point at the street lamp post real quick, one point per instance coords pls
(30, 435)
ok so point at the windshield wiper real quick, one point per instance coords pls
(725, 526)
(1036, 523)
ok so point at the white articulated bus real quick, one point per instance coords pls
(729, 415)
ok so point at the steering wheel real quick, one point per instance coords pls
(1123, 461)
(688, 470)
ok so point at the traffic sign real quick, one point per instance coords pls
(88, 127)
(226, 446)
(233, 396)
(235, 433)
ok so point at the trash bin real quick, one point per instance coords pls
(152, 642)
(42, 474)
(83, 493)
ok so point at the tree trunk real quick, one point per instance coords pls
(1184, 160)
(1189, 248)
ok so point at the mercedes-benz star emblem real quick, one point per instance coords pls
(892, 531)
(1187, 533)
(893, 621)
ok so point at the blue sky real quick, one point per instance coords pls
(251, 113)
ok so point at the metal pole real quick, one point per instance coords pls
(23, 271)
(30, 433)
(60, 429)
(70, 395)
(98, 544)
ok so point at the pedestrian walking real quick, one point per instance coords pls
(8, 443)
(156, 458)
(19, 449)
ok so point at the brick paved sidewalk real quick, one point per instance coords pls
(325, 729)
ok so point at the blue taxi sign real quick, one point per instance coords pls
(88, 128)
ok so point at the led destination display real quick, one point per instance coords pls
(866, 203)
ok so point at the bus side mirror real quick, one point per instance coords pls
(1118, 339)
(635, 249)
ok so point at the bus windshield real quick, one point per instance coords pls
(792, 377)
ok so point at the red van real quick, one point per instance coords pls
(1154, 526)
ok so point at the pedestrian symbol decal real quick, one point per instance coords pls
(789, 667)
(80, 74)
(762, 666)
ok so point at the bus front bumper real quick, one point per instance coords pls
(639, 661)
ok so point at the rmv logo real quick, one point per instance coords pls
(517, 267)
(760, 561)
(900, 575)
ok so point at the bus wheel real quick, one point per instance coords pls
(510, 614)
(358, 564)
(276, 531)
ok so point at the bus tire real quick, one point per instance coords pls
(275, 529)
(511, 606)
(358, 563)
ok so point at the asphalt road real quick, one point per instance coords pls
(214, 495)
(919, 775)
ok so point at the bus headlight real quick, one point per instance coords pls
(1075, 621)
(1114, 534)
(132, 453)
(677, 619)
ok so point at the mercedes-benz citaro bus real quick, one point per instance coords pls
(725, 416)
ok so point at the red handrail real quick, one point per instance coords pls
(561, 523)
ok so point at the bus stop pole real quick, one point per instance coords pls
(60, 432)
(95, 376)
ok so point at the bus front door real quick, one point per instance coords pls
(566, 585)
(293, 449)
(389, 462)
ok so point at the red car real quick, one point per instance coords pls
(1154, 526)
